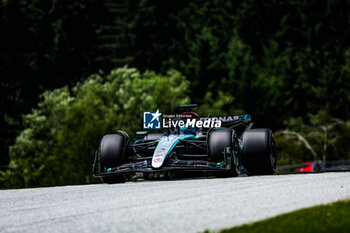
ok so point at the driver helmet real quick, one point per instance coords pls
(187, 130)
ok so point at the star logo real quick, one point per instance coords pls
(156, 115)
(151, 120)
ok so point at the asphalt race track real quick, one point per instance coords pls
(191, 205)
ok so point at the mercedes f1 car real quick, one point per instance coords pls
(229, 150)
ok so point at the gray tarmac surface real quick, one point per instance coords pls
(192, 205)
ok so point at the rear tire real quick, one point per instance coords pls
(111, 155)
(259, 152)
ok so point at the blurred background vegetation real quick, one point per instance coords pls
(66, 76)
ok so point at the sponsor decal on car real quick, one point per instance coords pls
(158, 160)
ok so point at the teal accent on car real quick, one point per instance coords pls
(188, 137)
(141, 132)
(182, 138)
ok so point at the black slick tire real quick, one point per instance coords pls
(111, 155)
(259, 152)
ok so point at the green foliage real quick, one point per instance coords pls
(276, 59)
(60, 136)
(322, 138)
(44, 45)
(203, 29)
(220, 106)
(333, 217)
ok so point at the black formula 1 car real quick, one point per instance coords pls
(229, 150)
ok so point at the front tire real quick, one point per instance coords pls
(111, 155)
(259, 152)
(219, 140)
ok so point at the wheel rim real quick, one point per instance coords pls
(235, 155)
(273, 154)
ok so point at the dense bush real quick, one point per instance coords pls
(60, 136)
(321, 138)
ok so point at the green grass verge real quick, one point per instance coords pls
(329, 218)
